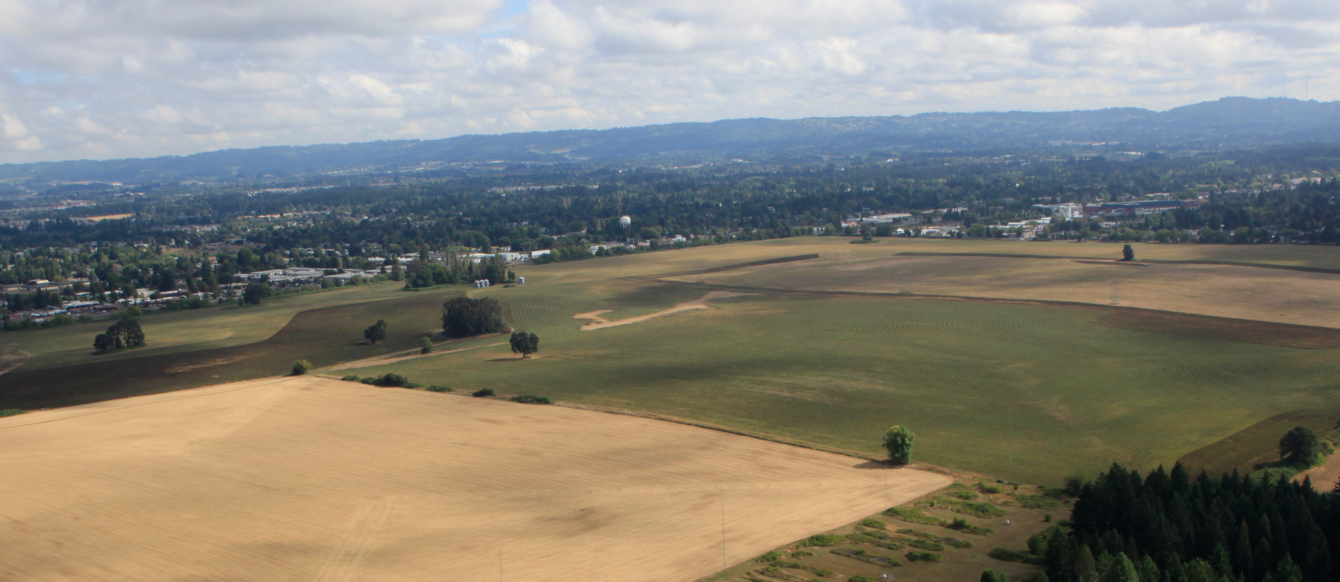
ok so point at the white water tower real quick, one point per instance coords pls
(625, 221)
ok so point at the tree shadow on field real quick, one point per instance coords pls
(877, 465)
(513, 359)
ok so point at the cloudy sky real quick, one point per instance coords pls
(130, 78)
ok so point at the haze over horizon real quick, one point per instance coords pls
(88, 79)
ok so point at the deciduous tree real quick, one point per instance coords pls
(525, 343)
(898, 441)
(375, 332)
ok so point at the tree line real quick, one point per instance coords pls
(1168, 527)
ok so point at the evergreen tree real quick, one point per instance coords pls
(1121, 569)
(1086, 568)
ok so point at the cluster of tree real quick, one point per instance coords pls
(125, 333)
(1166, 527)
(422, 273)
(468, 317)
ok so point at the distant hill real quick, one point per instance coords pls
(1231, 122)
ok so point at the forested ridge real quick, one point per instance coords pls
(1168, 527)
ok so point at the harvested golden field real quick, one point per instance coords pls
(1263, 291)
(315, 479)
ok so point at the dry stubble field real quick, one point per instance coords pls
(314, 479)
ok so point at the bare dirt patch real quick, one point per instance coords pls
(12, 357)
(296, 478)
(598, 322)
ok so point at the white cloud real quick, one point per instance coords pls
(93, 78)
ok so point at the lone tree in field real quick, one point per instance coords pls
(425, 345)
(525, 343)
(1127, 253)
(122, 334)
(375, 332)
(301, 367)
(1300, 447)
(898, 441)
(466, 317)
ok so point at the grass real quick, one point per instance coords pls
(837, 371)
(979, 382)
(323, 336)
(1256, 446)
(191, 330)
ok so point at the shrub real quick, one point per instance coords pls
(912, 515)
(1005, 555)
(988, 488)
(926, 545)
(301, 367)
(922, 557)
(961, 525)
(769, 557)
(1037, 502)
(425, 345)
(391, 380)
(873, 523)
(528, 399)
(11, 412)
(801, 554)
(436, 388)
(351, 378)
(963, 494)
(867, 557)
(823, 540)
(483, 393)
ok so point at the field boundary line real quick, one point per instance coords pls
(1116, 261)
(736, 266)
(183, 397)
(393, 359)
(1045, 302)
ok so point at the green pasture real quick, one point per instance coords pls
(324, 336)
(1028, 392)
(1021, 391)
(182, 331)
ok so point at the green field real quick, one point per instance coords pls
(325, 335)
(181, 331)
(1025, 391)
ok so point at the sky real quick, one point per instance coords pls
(102, 79)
